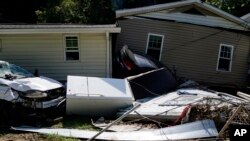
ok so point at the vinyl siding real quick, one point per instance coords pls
(45, 52)
(191, 49)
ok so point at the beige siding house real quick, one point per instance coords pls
(197, 40)
(59, 50)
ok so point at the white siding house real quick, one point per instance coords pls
(59, 50)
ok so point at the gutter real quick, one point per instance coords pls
(59, 30)
(108, 55)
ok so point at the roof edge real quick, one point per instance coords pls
(141, 10)
(13, 25)
(224, 14)
(32, 29)
(245, 16)
(148, 9)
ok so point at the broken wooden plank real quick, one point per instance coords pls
(244, 95)
(229, 120)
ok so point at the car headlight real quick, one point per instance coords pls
(54, 93)
(34, 94)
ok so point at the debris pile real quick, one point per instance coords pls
(149, 105)
(222, 115)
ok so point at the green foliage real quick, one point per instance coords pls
(77, 11)
(235, 7)
(64, 11)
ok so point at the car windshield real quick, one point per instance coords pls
(13, 70)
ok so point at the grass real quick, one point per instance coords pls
(77, 122)
(55, 137)
(2, 133)
(71, 122)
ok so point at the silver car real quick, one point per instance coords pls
(24, 95)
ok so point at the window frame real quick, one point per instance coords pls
(231, 58)
(159, 35)
(65, 47)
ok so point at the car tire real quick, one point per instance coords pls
(6, 110)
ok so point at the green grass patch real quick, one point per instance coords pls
(2, 133)
(71, 122)
(55, 137)
(77, 122)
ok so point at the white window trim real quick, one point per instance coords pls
(231, 58)
(64, 46)
(149, 34)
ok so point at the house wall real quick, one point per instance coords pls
(45, 52)
(191, 49)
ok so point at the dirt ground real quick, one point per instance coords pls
(75, 122)
(17, 136)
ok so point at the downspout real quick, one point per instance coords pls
(248, 61)
(0, 45)
(108, 55)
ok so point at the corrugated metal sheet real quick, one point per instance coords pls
(192, 130)
(141, 10)
(246, 17)
(194, 19)
(175, 6)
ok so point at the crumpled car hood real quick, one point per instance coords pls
(34, 83)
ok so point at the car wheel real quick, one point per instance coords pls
(5, 112)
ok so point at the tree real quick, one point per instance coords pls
(64, 11)
(234, 7)
(77, 11)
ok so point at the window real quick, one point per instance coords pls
(71, 48)
(225, 58)
(154, 45)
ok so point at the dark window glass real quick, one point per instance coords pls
(154, 53)
(72, 49)
(224, 64)
(72, 55)
(154, 46)
(225, 58)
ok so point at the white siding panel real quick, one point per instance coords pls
(45, 52)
